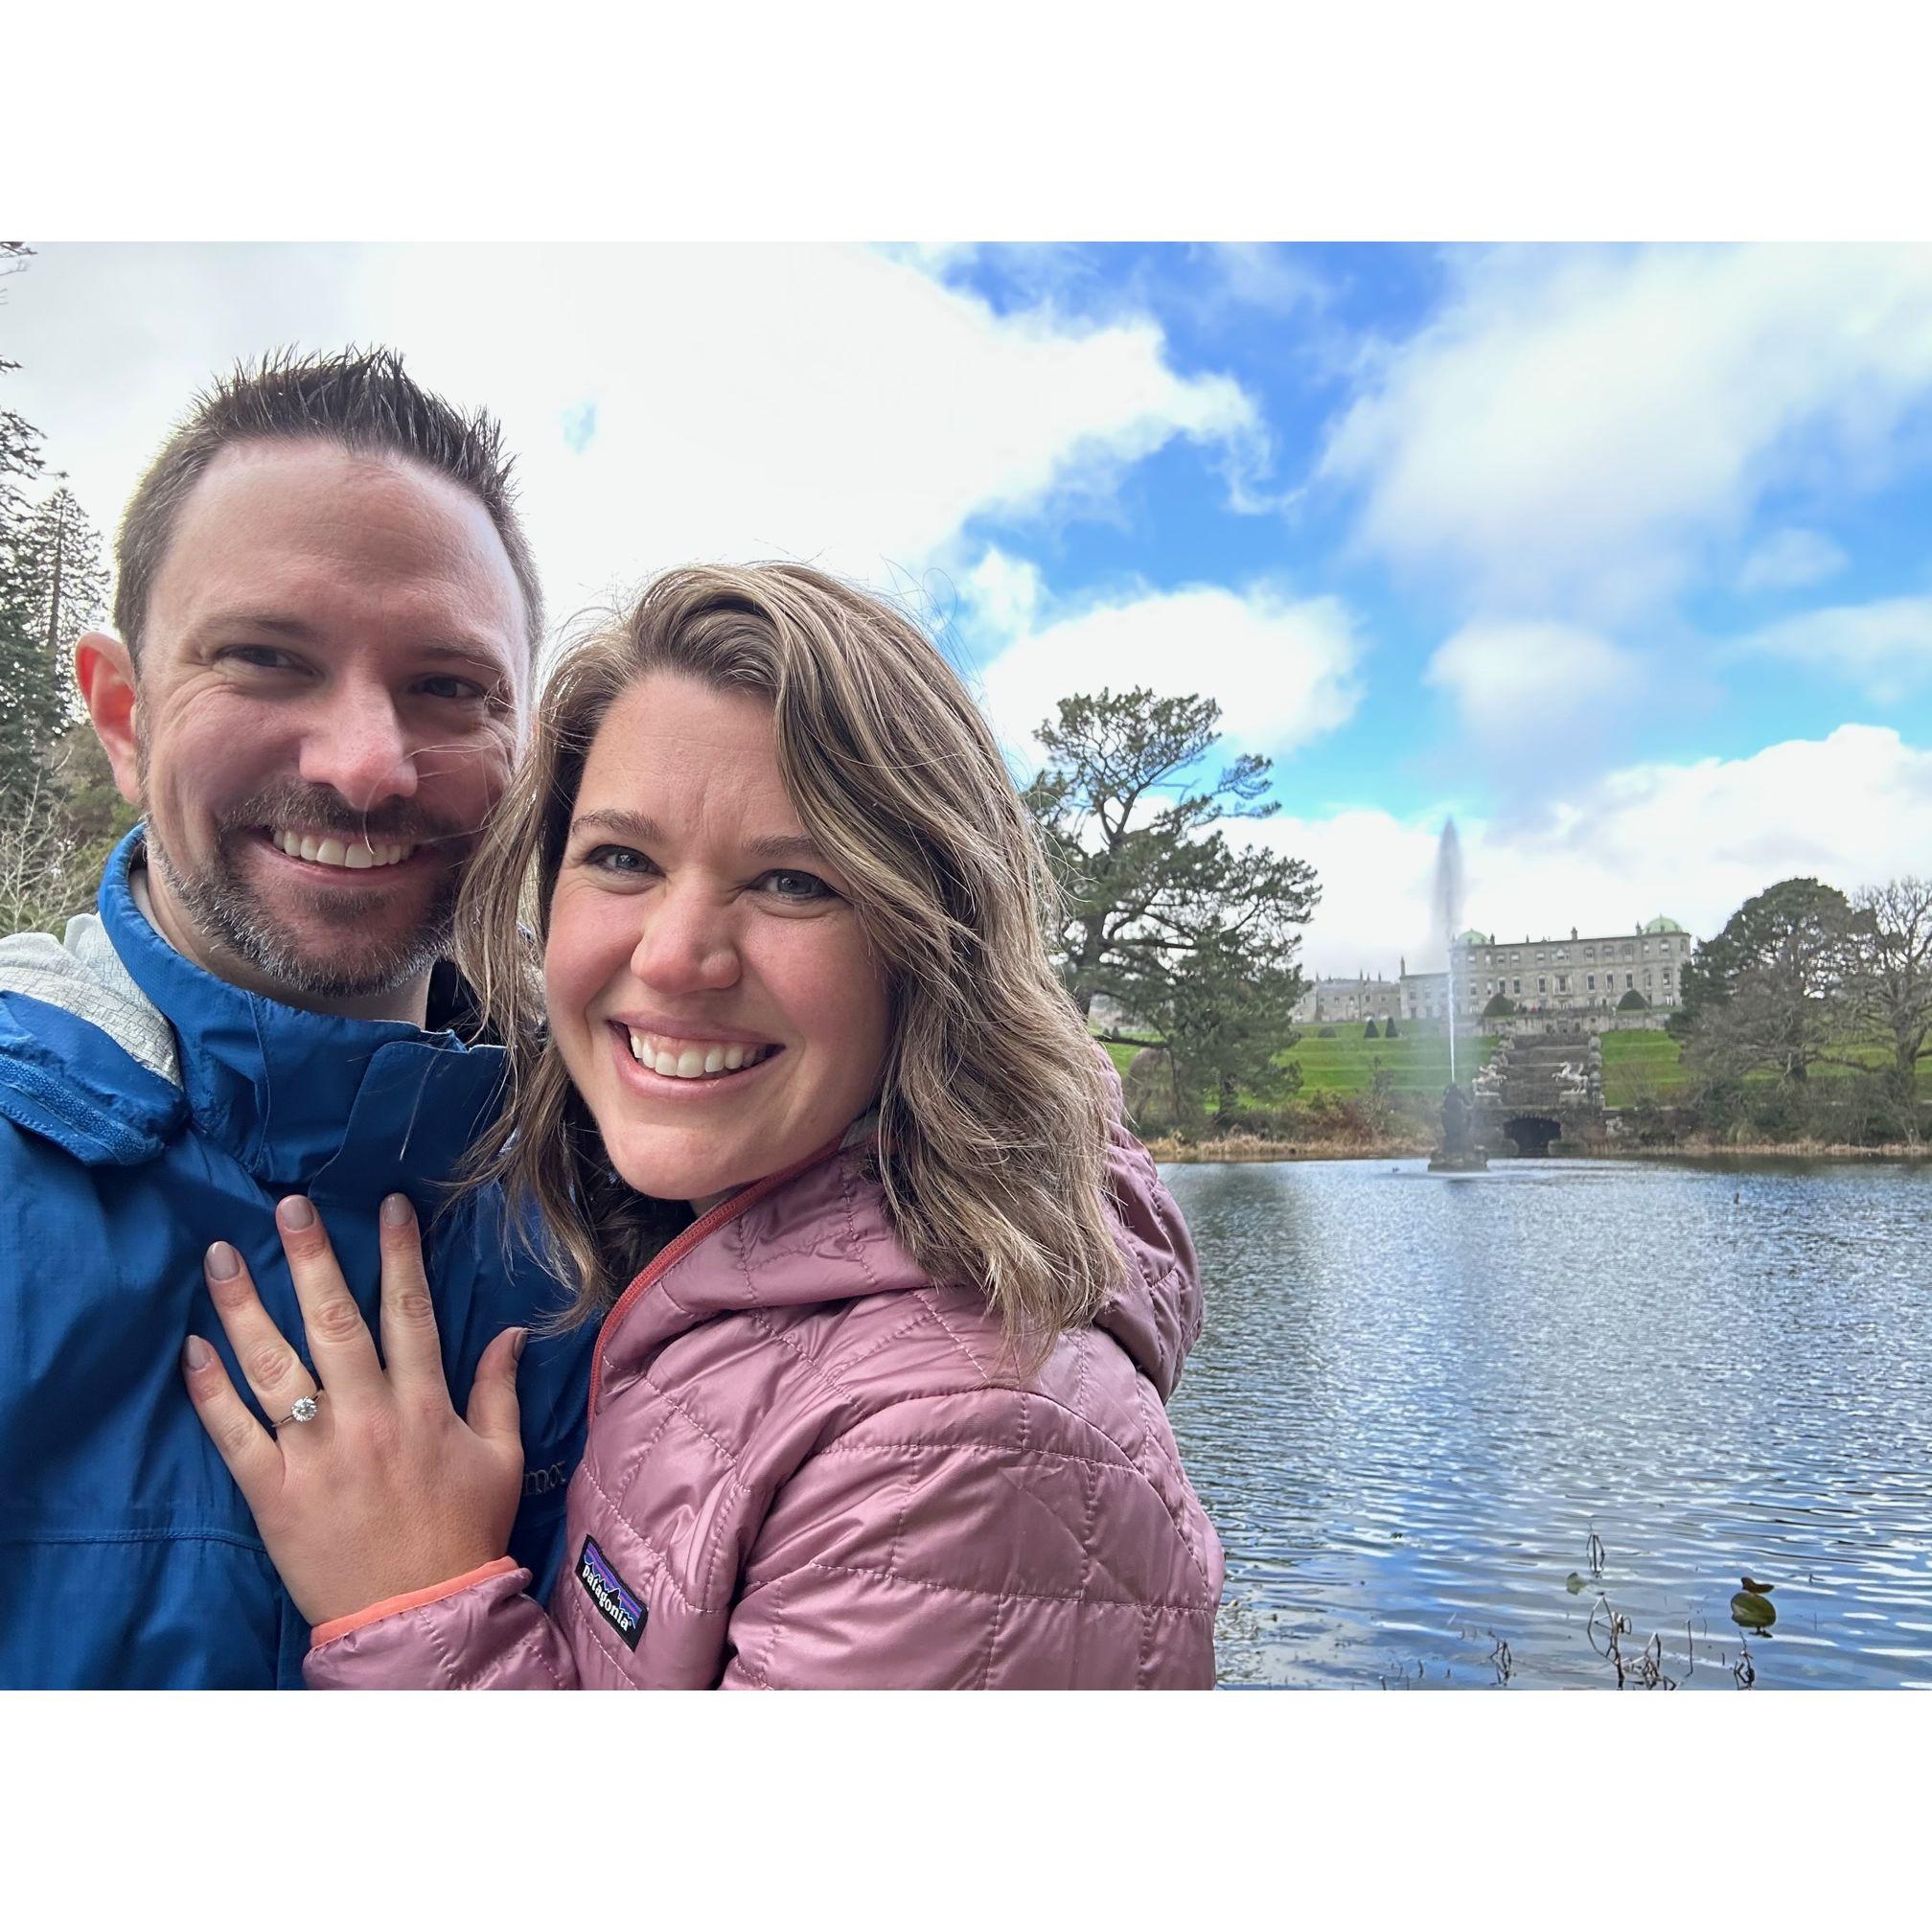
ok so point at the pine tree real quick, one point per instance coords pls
(1192, 937)
(26, 720)
(53, 586)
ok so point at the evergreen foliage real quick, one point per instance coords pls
(1760, 995)
(60, 811)
(1190, 935)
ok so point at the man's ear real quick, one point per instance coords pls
(105, 672)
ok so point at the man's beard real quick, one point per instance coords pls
(224, 905)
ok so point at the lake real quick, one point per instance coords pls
(1525, 1427)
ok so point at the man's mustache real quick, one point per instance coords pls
(314, 808)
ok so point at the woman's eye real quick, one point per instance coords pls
(620, 860)
(801, 887)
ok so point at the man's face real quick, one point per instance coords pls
(332, 689)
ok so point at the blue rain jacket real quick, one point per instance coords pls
(145, 1110)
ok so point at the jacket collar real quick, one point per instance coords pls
(295, 1095)
(821, 1234)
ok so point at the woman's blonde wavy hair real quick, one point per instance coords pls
(994, 1103)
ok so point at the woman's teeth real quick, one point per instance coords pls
(335, 852)
(686, 1059)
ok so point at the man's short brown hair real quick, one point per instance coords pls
(360, 400)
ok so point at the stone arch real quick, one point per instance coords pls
(1531, 1134)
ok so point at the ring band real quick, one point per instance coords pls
(304, 1411)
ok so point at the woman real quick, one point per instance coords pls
(881, 1405)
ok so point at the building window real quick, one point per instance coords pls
(1542, 985)
(1518, 984)
(1562, 982)
(1629, 979)
(1593, 982)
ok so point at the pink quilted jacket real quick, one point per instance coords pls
(808, 1465)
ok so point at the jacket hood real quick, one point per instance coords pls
(110, 1041)
(818, 1232)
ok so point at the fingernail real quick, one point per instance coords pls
(396, 1211)
(222, 1262)
(195, 1353)
(516, 1346)
(297, 1211)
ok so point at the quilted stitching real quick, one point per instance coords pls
(1180, 1611)
(756, 1452)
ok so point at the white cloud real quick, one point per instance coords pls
(829, 403)
(1690, 841)
(1282, 670)
(1789, 560)
(1884, 648)
(1514, 682)
(1263, 275)
(1575, 427)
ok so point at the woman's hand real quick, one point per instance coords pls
(387, 1490)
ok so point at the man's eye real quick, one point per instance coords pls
(261, 657)
(458, 690)
(800, 887)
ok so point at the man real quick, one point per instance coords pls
(327, 618)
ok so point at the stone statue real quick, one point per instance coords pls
(1459, 1152)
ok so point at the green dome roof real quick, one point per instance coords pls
(1660, 926)
(1472, 937)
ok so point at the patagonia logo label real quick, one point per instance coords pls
(617, 1605)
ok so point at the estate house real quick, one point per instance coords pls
(1574, 977)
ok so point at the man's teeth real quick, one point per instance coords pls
(685, 1060)
(335, 852)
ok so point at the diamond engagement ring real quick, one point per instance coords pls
(304, 1411)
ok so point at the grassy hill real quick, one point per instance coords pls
(1417, 1063)
(1637, 1065)
(1640, 1066)
(1345, 1064)
(1649, 1065)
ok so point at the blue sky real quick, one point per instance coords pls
(1619, 553)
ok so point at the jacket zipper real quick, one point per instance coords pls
(674, 1251)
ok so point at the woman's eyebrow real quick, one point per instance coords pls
(781, 848)
(625, 825)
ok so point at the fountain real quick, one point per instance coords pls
(1457, 1152)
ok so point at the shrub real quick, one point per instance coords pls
(1369, 1032)
(1500, 1006)
(1633, 1002)
(1389, 1031)
(1324, 1033)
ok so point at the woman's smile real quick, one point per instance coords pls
(663, 1059)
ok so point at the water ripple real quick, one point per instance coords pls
(1417, 1403)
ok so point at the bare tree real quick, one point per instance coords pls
(1888, 978)
(37, 888)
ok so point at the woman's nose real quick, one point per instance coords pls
(687, 943)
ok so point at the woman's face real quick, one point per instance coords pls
(709, 985)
